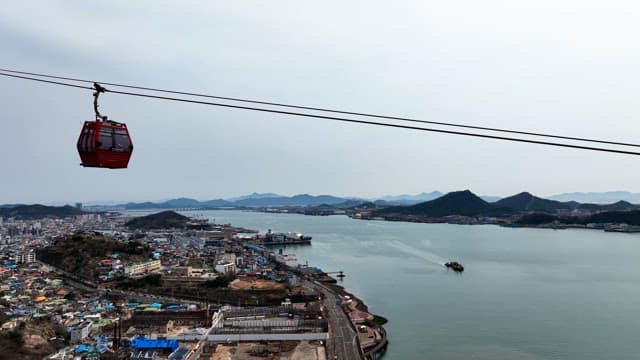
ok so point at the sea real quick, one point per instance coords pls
(526, 293)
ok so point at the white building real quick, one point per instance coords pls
(142, 268)
(225, 267)
(25, 257)
(228, 257)
(80, 332)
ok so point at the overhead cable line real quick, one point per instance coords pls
(49, 81)
(347, 120)
(405, 119)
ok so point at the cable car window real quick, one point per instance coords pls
(105, 142)
(89, 140)
(122, 142)
(82, 144)
(86, 139)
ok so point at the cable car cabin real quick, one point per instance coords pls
(105, 144)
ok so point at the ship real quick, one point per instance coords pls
(271, 238)
(455, 266)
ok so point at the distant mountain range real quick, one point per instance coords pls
(255, 195)
(598, 197)
(260, 200)
(459, 203)
(296, 200)
(275, 200)
(466, 203)
(405, 199)
(176, 204)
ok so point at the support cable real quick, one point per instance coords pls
(340, 119)
(343, 112)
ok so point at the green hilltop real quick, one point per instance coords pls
(37, 211)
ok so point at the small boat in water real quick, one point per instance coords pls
(455, 266)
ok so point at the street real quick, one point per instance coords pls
(343, 342)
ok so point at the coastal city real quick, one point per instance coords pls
(335, 180)
(114, 283)
(164, 286)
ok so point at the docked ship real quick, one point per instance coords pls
(271, 238)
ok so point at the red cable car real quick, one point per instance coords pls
(104, 143)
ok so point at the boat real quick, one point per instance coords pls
(271, 238)
(455, 266)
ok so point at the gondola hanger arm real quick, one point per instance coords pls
(99, 89)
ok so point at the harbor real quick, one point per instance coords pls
(522, 281)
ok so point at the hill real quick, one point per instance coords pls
(32, 212)
(216, 203)
(6, 206)
(31, 340)
(80, 254)
(617, 206)
(525, 201)
(406, 199)
(463, 203)
(177, 203)
(255, 195)
(162, 220)
(618, 217)
(606, 217)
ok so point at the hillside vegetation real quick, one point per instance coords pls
(81, 253)
(463, 203)
(29, 341)
(532, 210)
(161, 220)
(31, 212)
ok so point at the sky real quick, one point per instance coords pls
(568, 67)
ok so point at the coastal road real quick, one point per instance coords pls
(343, 342)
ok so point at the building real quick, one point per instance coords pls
(225, 267)
(183, 270)
(25, 257)
(80, 332)
(228, 257)
(142, 268)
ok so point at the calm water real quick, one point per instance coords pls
(525, 293)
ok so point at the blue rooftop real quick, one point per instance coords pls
(144, 343)
(83, 348)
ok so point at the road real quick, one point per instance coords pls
(343, 340)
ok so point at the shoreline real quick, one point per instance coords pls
(606, 227)
(376, 324)
(466, 220)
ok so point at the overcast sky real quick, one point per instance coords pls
(567, 67)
